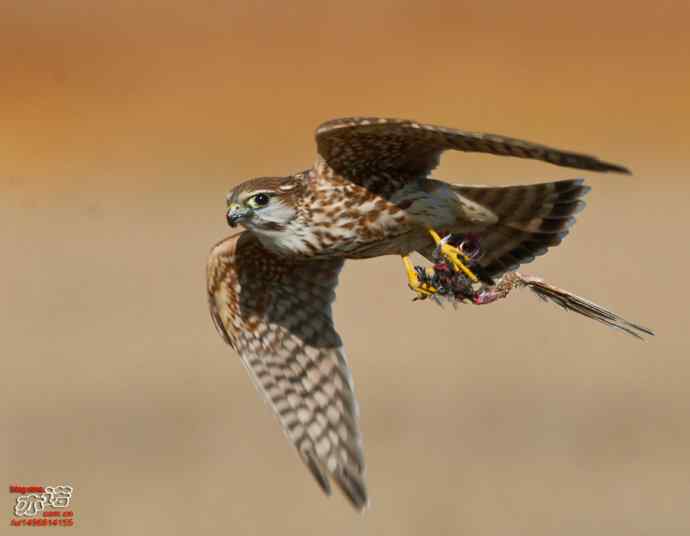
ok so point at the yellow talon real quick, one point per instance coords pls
(454, 255)
(423, 290)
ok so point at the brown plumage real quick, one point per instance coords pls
(276, 313)
(531, 219)
(270, 288)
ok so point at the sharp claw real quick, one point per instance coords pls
(448, 258)
(418, 280)
(450, 278)
(423, 291)
(455, 256)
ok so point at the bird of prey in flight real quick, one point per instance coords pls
(271, 286)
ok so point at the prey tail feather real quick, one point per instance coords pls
(572, 302)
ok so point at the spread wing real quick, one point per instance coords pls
(362, 147)
(276, 313)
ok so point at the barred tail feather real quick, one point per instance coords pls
(531, 219)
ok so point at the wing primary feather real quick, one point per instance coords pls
(362, 147)
(276, 313)
(315, 467)
(352, 485)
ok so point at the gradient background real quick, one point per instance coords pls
(123, 126)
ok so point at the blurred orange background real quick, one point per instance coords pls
(123, 127)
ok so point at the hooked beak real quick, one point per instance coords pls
(236, 213)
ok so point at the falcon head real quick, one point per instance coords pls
(264, 205)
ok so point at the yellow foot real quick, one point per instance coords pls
(423, 290)
(453, 255)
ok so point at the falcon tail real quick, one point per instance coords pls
(531, 219)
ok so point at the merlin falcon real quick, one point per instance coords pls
(271, 286)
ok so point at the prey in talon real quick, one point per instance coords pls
(451, 276)
(461, 285)
(369, 193)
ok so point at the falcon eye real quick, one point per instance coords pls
(258, 200)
